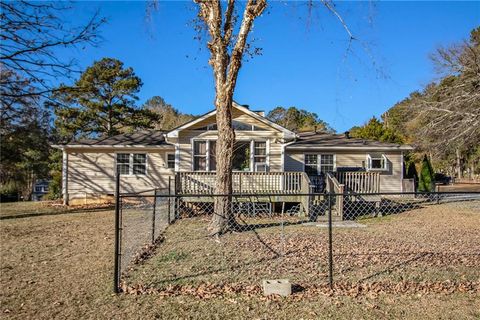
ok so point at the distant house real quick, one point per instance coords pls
(40, 189)
(268, 159)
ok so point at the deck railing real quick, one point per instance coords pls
(195, 182)
(334, 186)
(359, 182)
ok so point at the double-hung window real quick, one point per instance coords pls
(319, 163)
(200, 155)
(123, 163)
(311, 164)
(132, 163)
(212, 155)
(171, 160)
(248, 155)
(260, 155)
(327, 163)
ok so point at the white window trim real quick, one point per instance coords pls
(319, 161)
(174, 160)
(369, 163)
(207, 156)
(252, 155)
(402, 169)
(130, 163)
(177, 157)
(305, 158)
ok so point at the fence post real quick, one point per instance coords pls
(330, 244)
(116, 272)
(153, 215)
(169, 200)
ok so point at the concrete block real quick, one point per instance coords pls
(282, 287)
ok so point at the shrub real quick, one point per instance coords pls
(426, 179)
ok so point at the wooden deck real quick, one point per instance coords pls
(298, 187)
(271, 183)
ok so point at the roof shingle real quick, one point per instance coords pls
(143, 138)
(326, 140)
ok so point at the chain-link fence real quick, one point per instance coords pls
(313, 240)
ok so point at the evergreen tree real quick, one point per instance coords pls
(102, 102)
(426, 178)
(24, 135)
(298, 120)
(169, 116)
(374, 129)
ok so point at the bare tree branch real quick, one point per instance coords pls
(30, 33)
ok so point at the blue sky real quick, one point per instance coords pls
(305, 61)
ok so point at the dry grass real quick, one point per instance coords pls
(434, 244)
(60, 266)
(460, 187)
(25, 209)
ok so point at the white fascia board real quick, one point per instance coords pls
(109, 146)
(286, 133)
(174, 133)
(366, 148)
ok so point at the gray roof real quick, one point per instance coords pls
(138, 138)
(340, 141)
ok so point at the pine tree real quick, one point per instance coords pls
(376, 130)
(102, 102)
(426, 178)
(298, 120)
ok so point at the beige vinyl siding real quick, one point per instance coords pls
(187, 136)
(390, 181)
(274, 137)
(236, 115)
(275, 156)
(92, 173)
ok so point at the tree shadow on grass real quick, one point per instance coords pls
(54, 213)
(214, 271)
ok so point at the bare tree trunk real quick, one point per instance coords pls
(223, 218)
(225, 70)
(226, 54)
(459, 164)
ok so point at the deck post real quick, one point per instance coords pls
(153, 214)
(169, 199)
(330, 242)
(340, 199)
(117, 257)
(65, 177)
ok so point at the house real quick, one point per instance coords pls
(40, 189)
(268, 159)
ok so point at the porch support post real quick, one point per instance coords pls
(402, 171)
(177, 157)
(252, 151)
(65, 177)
